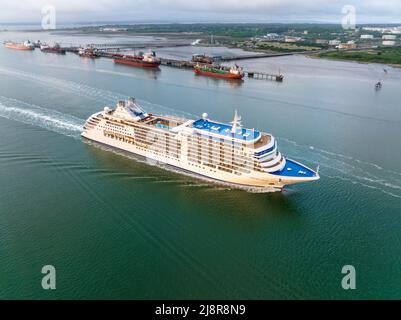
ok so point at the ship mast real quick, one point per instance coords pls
(236, 123)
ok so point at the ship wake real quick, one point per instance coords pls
(41, 117)
(101, 96)
(337, 166)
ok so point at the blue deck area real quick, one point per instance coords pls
(162, 126)
(225, 130)
(293, 169)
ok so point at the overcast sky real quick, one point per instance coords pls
(381, 11)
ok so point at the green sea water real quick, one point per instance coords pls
(118, 228)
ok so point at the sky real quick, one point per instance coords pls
(70, 11)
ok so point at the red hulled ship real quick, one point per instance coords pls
(235, 72)
(148, 60)
(26, 46)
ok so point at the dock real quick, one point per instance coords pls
(264, 76)
(255, 56)
(107, 51)
(178, 63)
(118, 47)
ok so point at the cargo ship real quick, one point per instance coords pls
(228, 153)
(25, 46)
(148, 60)
(55, 49)
(235, 72)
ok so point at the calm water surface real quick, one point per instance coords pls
(117, 228)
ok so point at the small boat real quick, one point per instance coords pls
(148, 60)
(88, 53)
(55, 49)
(235, 72)
(25, 46)
(378, 85)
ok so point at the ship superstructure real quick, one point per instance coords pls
(224, 152)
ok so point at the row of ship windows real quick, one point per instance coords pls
(213, 168)
(243, 162)
(174, 155)
(205, 150)
(138, 130)
(214, 142)
(219, 155)
(218, 140)
(233, 161)
(222, 166)
(216, 147)
(162, 145)
(236, 164)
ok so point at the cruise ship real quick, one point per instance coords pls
(226, 153)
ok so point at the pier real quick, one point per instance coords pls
(264, 76)
(115, 47)
(255, 56)
(109, 49)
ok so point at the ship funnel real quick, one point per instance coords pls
(131, 101)
(121, 104)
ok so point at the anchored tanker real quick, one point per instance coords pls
(223, 152)
(148, 60)
(220, 72)
(26, 46)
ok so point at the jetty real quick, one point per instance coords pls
(108, 50)
(118, 47)
(255, 56)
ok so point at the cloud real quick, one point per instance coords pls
(179, 10)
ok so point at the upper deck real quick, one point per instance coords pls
(242, 134)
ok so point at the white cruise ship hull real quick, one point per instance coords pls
(224, 153)
(255, 179)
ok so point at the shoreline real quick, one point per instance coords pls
(353, 61)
